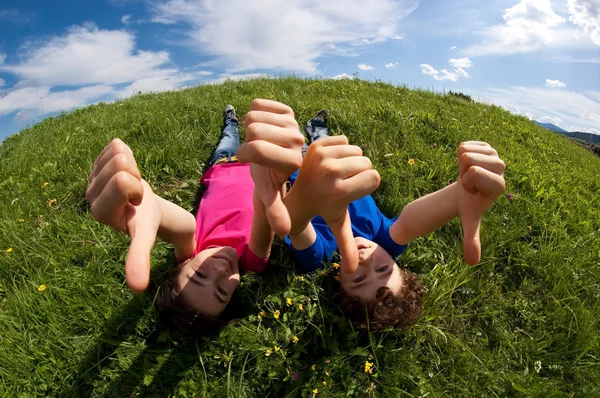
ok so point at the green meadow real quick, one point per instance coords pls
(522, 323)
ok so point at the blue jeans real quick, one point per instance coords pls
(229, 142)
(316, 129)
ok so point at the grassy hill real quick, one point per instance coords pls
(522, 323)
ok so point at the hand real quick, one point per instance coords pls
(480, 182)
(274, 147)
(333, 174)
(120, 198)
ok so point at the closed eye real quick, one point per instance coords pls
(221, 291)
(382, 269)
(359, 279)
(201, 275)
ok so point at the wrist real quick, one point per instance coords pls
(299, 213)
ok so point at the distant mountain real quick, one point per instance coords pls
(592, 138)
(550, 126)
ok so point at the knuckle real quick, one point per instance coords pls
(120, 162)
(121, 181)
(250, 118)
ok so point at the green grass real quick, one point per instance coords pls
(522, 323)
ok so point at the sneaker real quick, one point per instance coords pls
(228, 112)
(322, 115)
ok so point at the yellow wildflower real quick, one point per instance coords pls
(337, 277)
(9, 250)
(44, 185)
(411, 161)
(327, 361)
(369, 367)
(315, 392)
(504, 123)
(276, 314)
(336, 265)
(300, 307)
(276, 348)
(529, 227)
(261, 314)
(324, 383)
(41, 288)
(51, 202)
(21, 220)
(268, 352)
(288, 301)
(314, 367)
(300, 278)
(295, 339)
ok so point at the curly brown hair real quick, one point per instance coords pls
(387, 310)
(177, 316)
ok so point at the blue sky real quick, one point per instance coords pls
(539, 58)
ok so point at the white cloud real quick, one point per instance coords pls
(342, 76)
(453, 48)
(37, 101)
(281, 35)
(594, 117)
(397, 37)
(551, 119)
(586, 14)
(529, 26)
(574, 109)
(2, 58)
(555, 83)
(155, 84)
(392, 65)
(125, 19)
(88, 55)
(235, 78)
(458, 64)
(365, 67)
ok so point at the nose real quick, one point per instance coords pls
(220, 270)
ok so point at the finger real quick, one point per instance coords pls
(270, 155)
(350, 166)
(119, 162)
(277, 214)
(330, 141)
(271, 118)
(477, 179)
(285, 137)
(271, 106)
(491, 163)
(116, 146)
(123, 188)
(362, 184)
(342, 151)
(485, 150)
(342, 231)
(478, 143)
(471, 245)
(137, 264)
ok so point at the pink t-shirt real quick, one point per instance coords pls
(225, 214)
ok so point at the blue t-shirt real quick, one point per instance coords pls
(367, 222)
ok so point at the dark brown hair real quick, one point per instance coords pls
(177, 316)
(387, 310)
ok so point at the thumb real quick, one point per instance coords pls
(471, 244)
(137, 264)
(342, 230)
(276, 212)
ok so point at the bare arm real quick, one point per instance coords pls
(261, 234)
(178, 227)
(425, 215)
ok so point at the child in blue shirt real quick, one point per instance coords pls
(331, 209)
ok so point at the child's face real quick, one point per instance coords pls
(376, 268)
(207, 281)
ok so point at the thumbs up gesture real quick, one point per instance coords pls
(480, 182)
(332, 175)
(120, 198)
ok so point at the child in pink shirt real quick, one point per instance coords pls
(231, 229)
